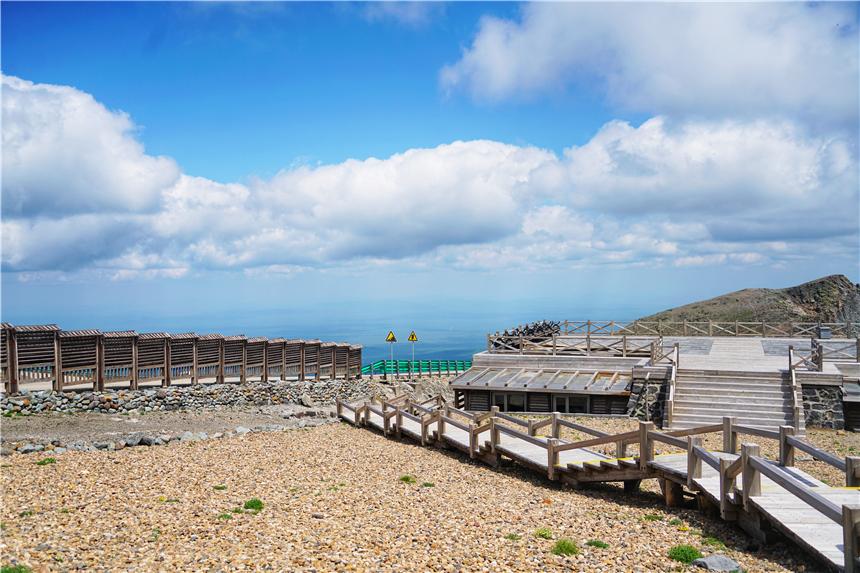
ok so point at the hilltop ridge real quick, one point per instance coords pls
(832, 298)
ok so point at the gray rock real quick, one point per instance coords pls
(306, 400)
(6, 450)
(133, 441)
(60, 450)
(104, 445)
(242, 430)
(147, 441)
(187, 437)
(31, 448)
(717, 562)
(165, 438)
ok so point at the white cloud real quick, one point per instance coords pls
(65, 153)
(665, 193)
(724, 59)
(413, 14)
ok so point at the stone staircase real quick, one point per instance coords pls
(762, 399)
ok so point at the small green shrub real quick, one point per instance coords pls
(408, 479)
(46, 461)
(543, 533)
(254, 504)
(565, 547)
(15, 569)
(652, 517)
(675, 521)
(684, 553)
(597, 543)
(219, 487)
(26, 513)
(428, 484)
(713, 542)
(156, 533)
(225, 516)
(513, 537)
(237, 510)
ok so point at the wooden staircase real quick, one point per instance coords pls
(760, 399)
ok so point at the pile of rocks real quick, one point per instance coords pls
(293, 419)
(199, 396)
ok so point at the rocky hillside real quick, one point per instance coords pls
(829, 299)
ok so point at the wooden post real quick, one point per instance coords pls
(620, 449)
(220, 377)
(730, 439)
(786, 450)
(265, 377)
(99, 381)
(556, 428)
(494, 432)
(851, 547)
(398, 419)
(244, 362)
(727, 485)
(751, 477)
(852, 471)
(552, 457)
(58, 363)
(166, 379)
(473, 439)
(194, 378)
(134, 373)
(440, 424)
(302, 372)
(12, 341)
(646, 446)
(694, 462)
(673, 494)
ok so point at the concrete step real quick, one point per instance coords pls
(686, 405)
(743, 418)
(683, 372)
(742, 393)
(730, 379)
(731, 385)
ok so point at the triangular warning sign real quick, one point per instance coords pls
(413, 337)
(390, 337)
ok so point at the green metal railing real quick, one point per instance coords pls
(415, 367)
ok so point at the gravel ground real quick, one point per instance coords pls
(334, 502)
(94, 427)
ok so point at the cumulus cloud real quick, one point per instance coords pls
(699, 58)
(683, 192)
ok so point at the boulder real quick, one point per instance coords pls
(717, 562)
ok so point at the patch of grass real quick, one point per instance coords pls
(225, 516)
(237, 510)
(684, 553)
(163, 499)
(543, 533)
(713, 542)
(565, 547)
(597, 543)
(156, 533)
(652, 517)
(219, 487)
(428, 484)
(15, 569)
(675, 521)
(26, 513)
(254, 504)
(65, 510)
(513, 537)
(46, 461)
(408, 479)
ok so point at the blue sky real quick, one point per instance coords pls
(289, 168)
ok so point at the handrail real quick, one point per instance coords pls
(707, 457)
(520, 435)
(667, 439)
(753, 431)
(581, 428)
(467, 415)
(455, 423)
(612, 439)
(708, 328)
(507, 418)
(816, 453)
(798, 488)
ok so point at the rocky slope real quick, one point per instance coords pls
(829, 299)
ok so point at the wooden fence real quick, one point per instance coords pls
(31, 355)
(710, 328)
(572, 344)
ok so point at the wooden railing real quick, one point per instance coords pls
(710, 328)
(36, 354)
(573, 344)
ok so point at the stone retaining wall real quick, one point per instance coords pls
(822, 406)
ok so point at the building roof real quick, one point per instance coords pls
(120, 334)
(79, 333)
(553, 380)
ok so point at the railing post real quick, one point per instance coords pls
(556, 429)
(12, 365)
(694, 462)
(521, 344)
(472, 440)
(166, 379)
(730, 442)
(194, 379)
(620, 449)
(100, 363)
(727, 485)
(751, 477)
(786, 450)
(852, 471)
(851, 544)
(646, 446)
(58, 363)
(552, 457)
(220, 377)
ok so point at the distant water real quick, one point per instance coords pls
(453, 331)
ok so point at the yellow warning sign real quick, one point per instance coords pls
(390, 337)
(413, 337)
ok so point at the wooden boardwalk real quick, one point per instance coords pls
(763, 496)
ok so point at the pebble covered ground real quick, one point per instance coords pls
(334, 501)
